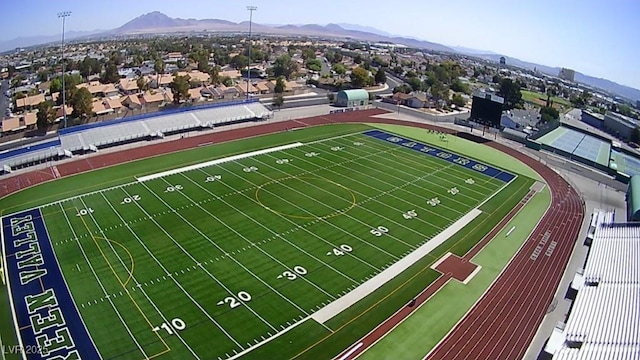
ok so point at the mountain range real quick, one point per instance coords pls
(159, 23)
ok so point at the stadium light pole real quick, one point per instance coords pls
(63, 15)
(251, 10)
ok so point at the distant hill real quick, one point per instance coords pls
(157, 22)
(23, 42)
(604, 84)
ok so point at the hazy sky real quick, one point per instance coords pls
(598, 38)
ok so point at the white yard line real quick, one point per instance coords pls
(195, 203)
(196, 262)
(138, 285)
(345, 214)
(167, 272)
(263, 342)
(217, 161)
(453, 171)
(250, 218)
(104, 291)
(304, 229)
(415, 157)
(391, 272)
(324, 221)
(390, 193)
(367, 199)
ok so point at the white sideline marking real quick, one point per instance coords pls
(348, 353)
(267, 340)
(217, 161)
(392, 271)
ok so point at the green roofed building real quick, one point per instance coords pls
(633, 199)
(352, 98)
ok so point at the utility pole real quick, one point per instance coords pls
(251, 10)
(63, 15)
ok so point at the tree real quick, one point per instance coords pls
(158, 66)
(381, 76)
(314, 65)
(359, 77)
(226, 81)
(111, 73)
(81, 102)
(635, 135)
(239, 62)
(459, 86)
(284, 66)
(548, 114)
(43, 75)
(308, 54)
(439, 92)
(180, 88)
(415, 83)
(280, 85)
(55, 85)
(278, 100)
(458, 100)
(625, 110)
(339, 69)
(44, 115)
(141, 83)
(404, 88)
(214, 74)
(510, 91)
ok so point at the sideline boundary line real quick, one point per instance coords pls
(217, 161)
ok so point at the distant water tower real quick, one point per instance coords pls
(503, 60)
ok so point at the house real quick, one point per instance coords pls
(152, 98)
(98, 89)
(30, 119)
(262, 87)
(419, 101)
(174, 57)
(401, 98)
(196, 76)
(129, 86)
(158, 81)
(294, 87)
(60, 114)
(98, 107)
(196, 94)
(29, 102)
(113, 104)
(232, 74)
(10, 124)
(246, 86)
(132, 102)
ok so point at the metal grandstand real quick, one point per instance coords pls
(604, 321)
(91, 137)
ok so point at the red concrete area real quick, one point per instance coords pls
(458, 268)
(502, 323)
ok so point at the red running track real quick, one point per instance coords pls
(503, 322)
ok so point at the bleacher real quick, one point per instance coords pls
(172, 123)
(91, 137)
(94, 136)
(604, 320)
(32, 154)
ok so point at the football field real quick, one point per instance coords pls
(214, 260)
